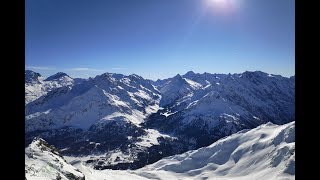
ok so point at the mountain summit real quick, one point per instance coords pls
(36, 86)
(32, 77)
(57, 76)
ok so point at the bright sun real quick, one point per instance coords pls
(221, 5)
(218, 1)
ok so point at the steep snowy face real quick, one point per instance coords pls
(32, 77)
(197, 77)
(57, 76)
(99, 116)
(36, 86)
(43, 161)
(60, 79)
(97, 101)
(266, 152)
(176, 88)
(219, 105)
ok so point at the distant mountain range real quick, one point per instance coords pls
(116, 121)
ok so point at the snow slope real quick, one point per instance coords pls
(270, 98)
(107, 97)
(36, 86)
(44, 162)
(100, 117)
(266, 152)
(221, 104)
(176, 88)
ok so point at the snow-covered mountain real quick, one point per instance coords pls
(98, 101)
(43, 161)
(176, 88)
(120, 122)
(32, 77)
(205, 107)
(100, 116)
(266, 152)
(37, 86)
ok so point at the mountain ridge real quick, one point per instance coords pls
(144, 117)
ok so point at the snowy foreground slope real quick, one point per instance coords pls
(266, 152)
(43, 161)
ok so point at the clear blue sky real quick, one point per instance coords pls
(160, 38)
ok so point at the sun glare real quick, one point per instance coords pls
(218, 2)
(220, 5)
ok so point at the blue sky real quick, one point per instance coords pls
(160, 38)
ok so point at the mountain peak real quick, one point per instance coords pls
(251, 74)
(31, 76)
(178, 79)
(178, 76)
(57, 76)
(106, 74)
(135, 76)
(117, 76)
(190, 73)
(42, 144)
(29, 71)
(109, 77)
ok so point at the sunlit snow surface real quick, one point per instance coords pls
(40, 87)
(151, 138)
(94, 102)
(226, 104)
(43, 162)
(266, 152)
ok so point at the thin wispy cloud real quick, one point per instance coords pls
(118, 68)
(40, 68)
(84, 69)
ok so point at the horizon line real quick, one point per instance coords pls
(191, 71)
